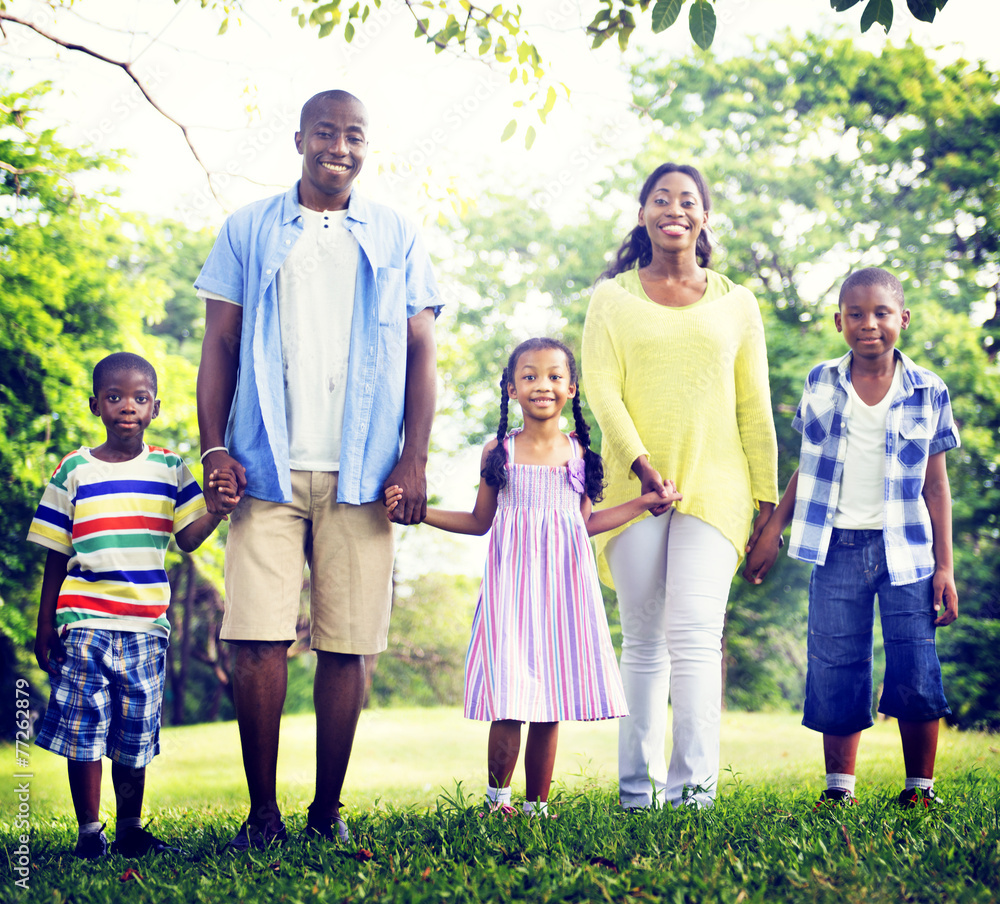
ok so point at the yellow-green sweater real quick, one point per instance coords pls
(688, 388)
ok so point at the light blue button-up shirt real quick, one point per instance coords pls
(394, 282)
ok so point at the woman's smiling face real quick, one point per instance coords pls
(674, 213)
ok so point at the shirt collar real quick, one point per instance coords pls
(913, 377)
(357, 207)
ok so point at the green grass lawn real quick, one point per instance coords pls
(412, 799)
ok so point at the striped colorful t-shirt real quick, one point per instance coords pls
(114, 521)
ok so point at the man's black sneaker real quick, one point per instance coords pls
(137, 842)
(92, 846)
(334, 829)
(252, 836)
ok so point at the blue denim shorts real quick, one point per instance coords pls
(106, 698)
(841, 624)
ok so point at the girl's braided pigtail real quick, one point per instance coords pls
(594, 467)
(495, 469)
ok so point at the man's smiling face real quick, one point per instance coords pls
(333, 144)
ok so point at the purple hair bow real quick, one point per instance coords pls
(577, 475)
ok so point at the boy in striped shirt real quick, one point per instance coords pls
(106, 518)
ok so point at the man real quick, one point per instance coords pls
(318, 352)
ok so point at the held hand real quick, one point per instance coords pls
(946, 595)
(410, 478)
(393, 495)
(653, 483)
(762, 555)
(223, 481)
(48, 646)
(654, 499)
(218, 499)
(763, 516)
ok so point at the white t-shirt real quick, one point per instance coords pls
(861, 504)
(315, 310)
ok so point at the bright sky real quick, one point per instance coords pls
(436, 120)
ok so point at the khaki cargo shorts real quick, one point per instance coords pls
(349, 550)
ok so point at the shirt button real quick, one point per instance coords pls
(288, 241)
(371, 351)
(268, 272)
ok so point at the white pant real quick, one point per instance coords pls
(672, 575)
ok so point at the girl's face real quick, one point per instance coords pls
(541, 384)
(674, 214)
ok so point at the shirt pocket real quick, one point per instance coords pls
(817, 420)
(914, 440)
(390, 285)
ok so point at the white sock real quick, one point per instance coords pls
(128, 822)
(90, 828)
(925, 784)
(532, 807)
(498, 795)
(842, 781)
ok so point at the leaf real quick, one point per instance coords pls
(877, 11)
(924, 10)
(599, 38)
(529, 138)
(665, 13)
(550, 100)
(224, 27)
(326, 28)
(509, 130)
(349, 32)
(840, 5)
(701, 21)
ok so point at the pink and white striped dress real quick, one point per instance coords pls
(540, 649)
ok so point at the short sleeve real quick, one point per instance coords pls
(421, 285)
(946, 432)
(190, 504)
(52, 525)
(222, 274)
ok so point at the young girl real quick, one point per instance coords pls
(540, 651)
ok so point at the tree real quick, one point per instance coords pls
(821, 158)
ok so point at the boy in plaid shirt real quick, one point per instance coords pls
(870, 507)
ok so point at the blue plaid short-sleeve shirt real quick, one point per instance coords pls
(919, 424)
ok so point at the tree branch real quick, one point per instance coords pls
(126, 67)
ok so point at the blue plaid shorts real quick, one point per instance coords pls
(106, 697)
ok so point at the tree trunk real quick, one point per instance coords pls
(179, 676)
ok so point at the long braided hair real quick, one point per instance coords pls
(637, 250)
(495, 469)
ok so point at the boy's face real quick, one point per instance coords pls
(126, 404)
(333, 145)
(871, 319)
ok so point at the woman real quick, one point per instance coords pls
(676, 374)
